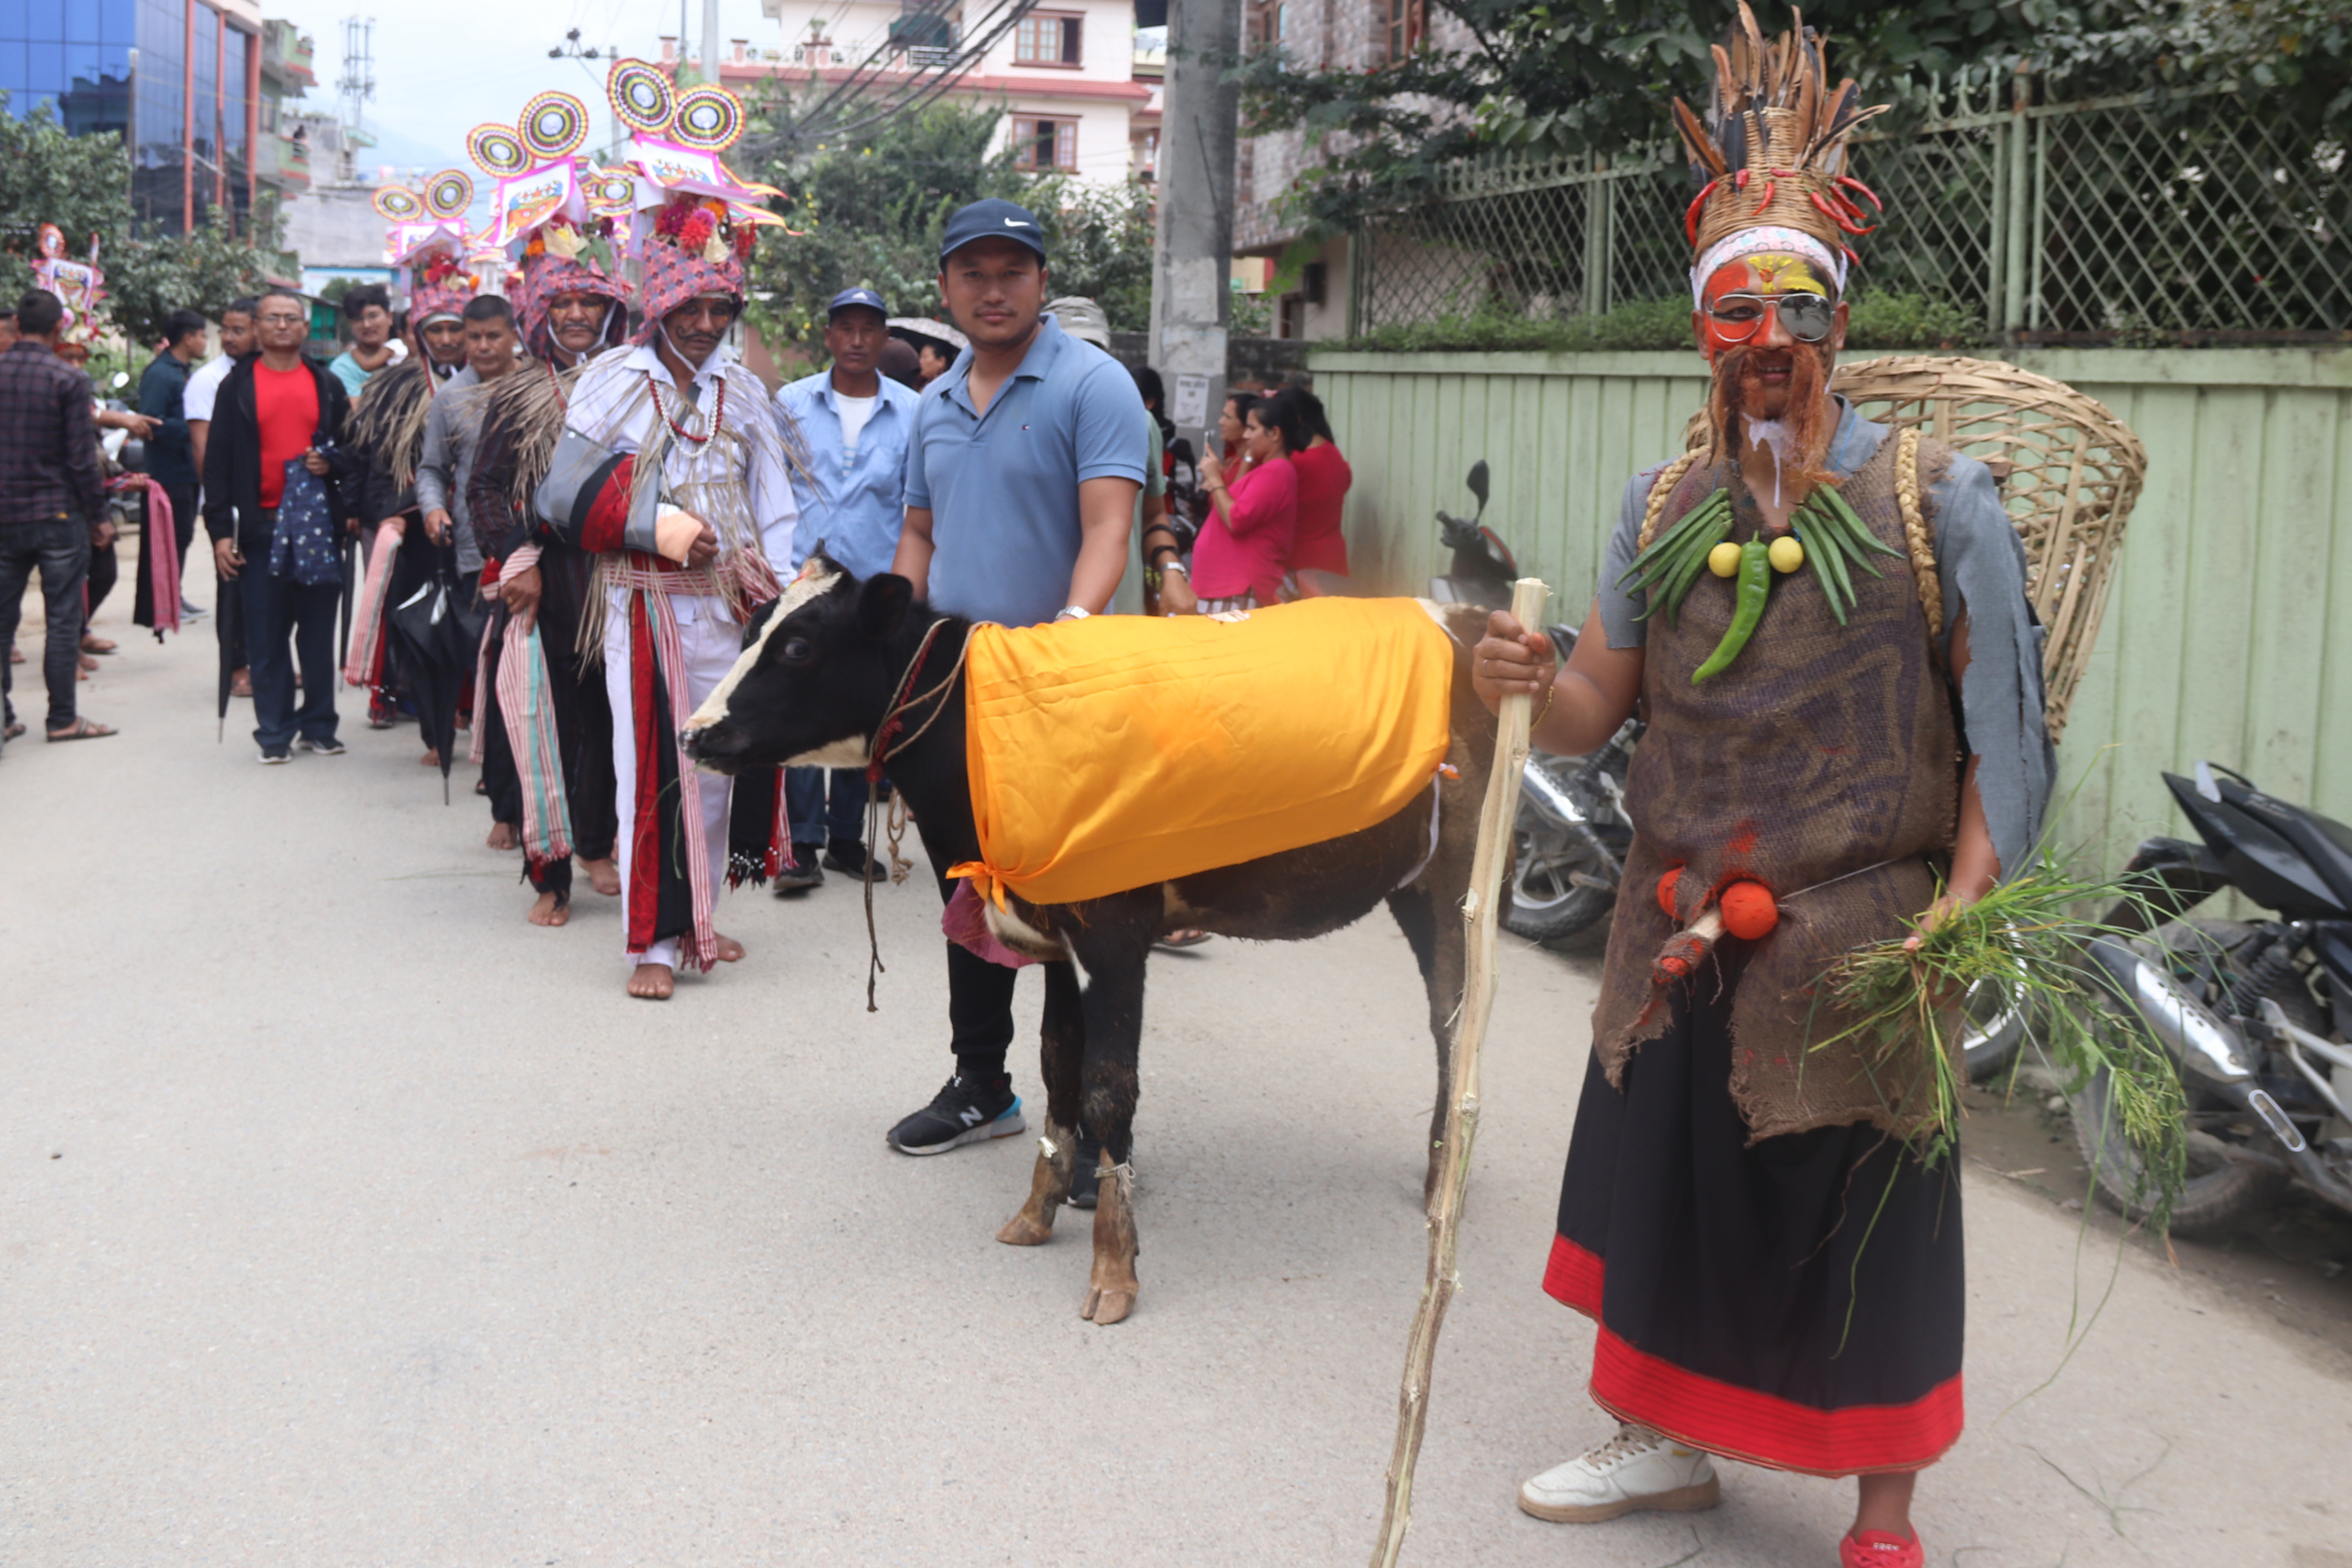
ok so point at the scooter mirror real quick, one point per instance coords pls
(1478, 482)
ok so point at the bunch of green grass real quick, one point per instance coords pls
(2025, 940)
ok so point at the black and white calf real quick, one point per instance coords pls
(821, 671)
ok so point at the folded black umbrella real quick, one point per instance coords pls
(228, 621)
(438, 630)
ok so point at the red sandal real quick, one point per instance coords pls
(1878, 1549)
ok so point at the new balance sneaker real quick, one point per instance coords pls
(271, 756)
(800, 873)
(1634, 1470)
(329, 747)
(1879, 1549)
(961, 1113)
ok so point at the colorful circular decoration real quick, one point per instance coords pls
(449, 192)
(641, 96)
(497, 150)
(609, 192)
(399, 204)
(708, 119)
(553, 125)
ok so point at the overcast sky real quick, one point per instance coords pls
(443, 66)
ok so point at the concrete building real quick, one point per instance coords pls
(281, 153)
(1066, 76)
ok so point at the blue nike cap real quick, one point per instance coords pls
(849, 297)
(994, 218)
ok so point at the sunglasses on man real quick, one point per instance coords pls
(1809, 318)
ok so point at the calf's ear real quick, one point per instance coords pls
(882, 601)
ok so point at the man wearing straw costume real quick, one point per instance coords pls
(1826, 624)
(426, 245)
(673, 472)
(551, 722)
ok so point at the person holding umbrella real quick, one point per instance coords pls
(276, 413)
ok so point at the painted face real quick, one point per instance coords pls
(1769, 275)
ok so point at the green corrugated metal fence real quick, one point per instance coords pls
(2228, 633)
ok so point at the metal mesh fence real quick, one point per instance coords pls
(2141, 219)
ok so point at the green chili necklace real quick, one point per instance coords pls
(1825, 531)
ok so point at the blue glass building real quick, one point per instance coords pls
(174, 78)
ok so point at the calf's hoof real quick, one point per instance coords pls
(1021, 1230)
(1105, 1307)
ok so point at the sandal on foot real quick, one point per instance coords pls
(83, 730)
(14, 730)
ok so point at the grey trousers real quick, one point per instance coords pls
(59, 548)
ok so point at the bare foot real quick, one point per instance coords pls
(729, 949)
(553, 910)
(652, 982)
(604, 876)
(431, 759)
(502, 836)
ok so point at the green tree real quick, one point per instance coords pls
(81, 184)
(871, 212)
(1577, 76)
(201, 270)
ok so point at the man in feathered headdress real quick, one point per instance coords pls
(673, 472)
(550, 730)
(1802, 606)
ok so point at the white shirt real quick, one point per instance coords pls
(610, 407)
(203, 386)
(855, 413)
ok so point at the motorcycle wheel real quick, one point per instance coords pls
(2219, 1191)
(1546, 903)
(1993, 1028)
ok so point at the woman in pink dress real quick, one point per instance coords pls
(1244, 546)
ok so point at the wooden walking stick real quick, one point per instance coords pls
(1479, 909)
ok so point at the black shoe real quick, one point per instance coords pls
(329, 747)
(849, 857)
(271, 756)
(799, 875)
(1086, 1175)
(961, 1114)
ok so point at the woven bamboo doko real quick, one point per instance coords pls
(2069, 470)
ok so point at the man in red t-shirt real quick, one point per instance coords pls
(272, 410)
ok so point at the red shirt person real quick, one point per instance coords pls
(1323, 480)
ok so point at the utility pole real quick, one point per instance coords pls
(1191, 301)
(356, 86)
(710, 55)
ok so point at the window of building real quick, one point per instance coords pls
(1265, 24)
(1041, 145)
(1049, 39)
(1407, 20)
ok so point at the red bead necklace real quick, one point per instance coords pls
(718, 413)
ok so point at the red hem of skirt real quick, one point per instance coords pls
(1741, 1423)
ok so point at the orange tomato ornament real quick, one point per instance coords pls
(1749, 911)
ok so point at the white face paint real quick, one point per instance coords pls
(800, 591)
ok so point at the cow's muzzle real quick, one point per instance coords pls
(719, 747)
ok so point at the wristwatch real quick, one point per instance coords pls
(1074, 613)
(1172, 564)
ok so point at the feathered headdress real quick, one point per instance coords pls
(427, 246)
(551, 213)
(696, 221)
(1773, 153)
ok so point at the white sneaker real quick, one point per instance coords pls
(1636, 1469)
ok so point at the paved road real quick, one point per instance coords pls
(345, 1218)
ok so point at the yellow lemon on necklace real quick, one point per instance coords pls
(1724, 559)
(1786, 554)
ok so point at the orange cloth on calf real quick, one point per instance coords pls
(1120, 750)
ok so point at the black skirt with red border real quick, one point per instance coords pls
(1794, 1303)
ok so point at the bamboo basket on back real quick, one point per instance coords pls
(2069, 472)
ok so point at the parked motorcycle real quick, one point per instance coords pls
(1571, 833)
(2256, 1014)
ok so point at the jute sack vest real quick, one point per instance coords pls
(1822, 753)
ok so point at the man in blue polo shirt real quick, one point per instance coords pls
(855, 424)
(1021, 486)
